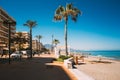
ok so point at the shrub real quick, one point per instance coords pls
(62, 58)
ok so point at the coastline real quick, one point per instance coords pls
(108, 54)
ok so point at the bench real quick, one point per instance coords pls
(68, 63)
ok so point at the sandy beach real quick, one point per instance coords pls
(35, 69)
(104, 70)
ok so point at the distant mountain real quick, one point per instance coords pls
(48, 46)
(74, 50)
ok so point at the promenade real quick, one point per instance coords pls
(35, 69)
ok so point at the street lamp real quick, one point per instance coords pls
(52, 43)
(9, 23)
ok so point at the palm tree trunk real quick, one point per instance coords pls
(66, 48)
(20, 49)
(30, 42)
(37, 46)
(19, 46)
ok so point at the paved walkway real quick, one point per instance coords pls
(39, 68)
(80, 75)
(34, 69)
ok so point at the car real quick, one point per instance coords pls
(16, 55)
(24, 52)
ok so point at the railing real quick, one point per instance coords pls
(3, 31)
(1, 36)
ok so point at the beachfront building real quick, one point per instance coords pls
(4, 30)
(25, 45)
(25, 39)
(36, 45)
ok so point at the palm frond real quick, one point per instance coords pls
(25, 24)
(64, 13)
(60, 10)
(30, 23)
(74, 18)
(58, 17)
(74, 14)
(77, 11)
(57, 10)
(38, 36)
(69, 6)
(56, 41)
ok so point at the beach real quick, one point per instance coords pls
(106, 69)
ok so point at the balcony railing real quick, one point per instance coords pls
(1, 36)
(3, 31)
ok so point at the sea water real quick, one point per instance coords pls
(108, 54)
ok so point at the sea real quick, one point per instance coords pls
(111, 54)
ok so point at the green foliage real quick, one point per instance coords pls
(62, 58)
(55, 41)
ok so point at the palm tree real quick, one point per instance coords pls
(55, 41)
(52, 44)
(30, 24)
(64, 13)
(19, 39)
(39, 37)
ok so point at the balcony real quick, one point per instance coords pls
(3, 31)
(1, 36)
(13, 31)
(5, 16)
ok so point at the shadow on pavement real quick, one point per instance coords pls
(32, 69)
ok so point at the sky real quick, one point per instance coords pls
(98, 28)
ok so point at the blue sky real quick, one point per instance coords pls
(97, 29)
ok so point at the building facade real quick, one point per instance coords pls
(36, 45)
(4, 30)
(26, 45)
(24, 39)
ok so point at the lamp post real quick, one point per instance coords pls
(52, 44)
(9, 23)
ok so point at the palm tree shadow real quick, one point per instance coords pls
(28, 67)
